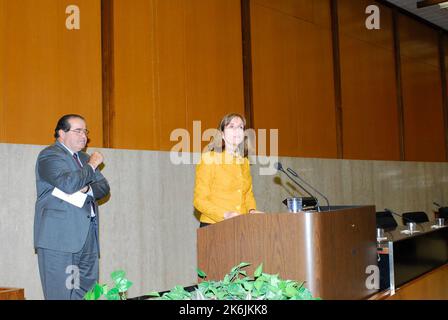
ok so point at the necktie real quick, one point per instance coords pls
(75, 156)
(89, 200)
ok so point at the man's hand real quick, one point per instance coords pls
(96, 159)
(255, 211)
(85, 189)
(230, 214)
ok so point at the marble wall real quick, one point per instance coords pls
(148, 227)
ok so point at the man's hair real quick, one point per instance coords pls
(64, 125)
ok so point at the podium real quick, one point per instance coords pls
(330, 250)
(12, 294)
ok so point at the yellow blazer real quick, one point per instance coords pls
(223, 183)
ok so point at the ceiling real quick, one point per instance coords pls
(432, 14)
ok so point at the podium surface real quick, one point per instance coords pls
(330, 250)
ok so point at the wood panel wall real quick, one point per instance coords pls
(176, 62)
(293, 75)
(2, 67)
(171, 62)
(424, 133)
(369, 92)
(47, 70)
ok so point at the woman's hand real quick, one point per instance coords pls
(230, 214)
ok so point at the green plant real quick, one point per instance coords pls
(117, 292)
(236, 285)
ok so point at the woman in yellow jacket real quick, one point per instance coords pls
(223, 186)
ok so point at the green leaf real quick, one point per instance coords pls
(201, 273)
(258, 271)
(243, 265)
(113, 294)
(153, 294)
(123, 285)
(274, 281)
(248, 285)
(89, 295)
(117, 275)
(304, 294)
(258, 284)
(98, 290)
(291, 291)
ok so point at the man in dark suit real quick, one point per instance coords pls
(66, 233)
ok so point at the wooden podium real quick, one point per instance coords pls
(330, 250)
(12, 294)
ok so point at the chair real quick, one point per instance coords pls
(417, 217)
(385, 220)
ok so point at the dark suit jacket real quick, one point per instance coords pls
(59, 225)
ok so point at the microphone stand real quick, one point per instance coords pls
(310, 186)
(298, 184)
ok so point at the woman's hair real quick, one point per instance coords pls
(218, 143)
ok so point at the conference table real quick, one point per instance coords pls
(414, 265)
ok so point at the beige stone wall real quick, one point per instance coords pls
(147, 226)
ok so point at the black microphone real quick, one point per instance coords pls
(278, 166)
(436, 204)
(310, 186)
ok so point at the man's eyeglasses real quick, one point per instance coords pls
(81, 131)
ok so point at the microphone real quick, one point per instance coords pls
(436, 204)
(278, 166)
(404, 218)
(308, 185)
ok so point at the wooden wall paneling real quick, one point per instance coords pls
(399, 82)
(352, 18)
(322, 13)
(302, 9)
(370, 119)
(134, 87)
(2, 67)
(275, 84)
(316, 93)
(51, 70)
(337, 77)
(107, 60)
(443, 54)
(176, 62)
(422, 93)
(446, 56)
(423, 114)
(316, 12)
(293, 82)
(214, 72)
(247, 62)
(418, 41)
(446, 79)
(170, 70)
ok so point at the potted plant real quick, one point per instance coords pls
(117, 292)
(236, 285)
